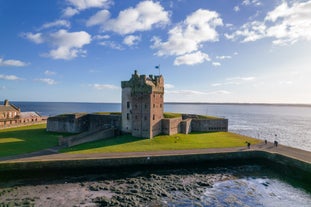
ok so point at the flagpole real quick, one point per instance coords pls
(159, 70)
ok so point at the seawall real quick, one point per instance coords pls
(285, 165)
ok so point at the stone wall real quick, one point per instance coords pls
(103, 121)
(185, 126)
(209, 125)
(68, 123)
(171, 126)
(88, 136)
(77, 123)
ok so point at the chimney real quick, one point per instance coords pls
(6, 102)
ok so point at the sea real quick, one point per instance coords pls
(290, 125)
(252, 186)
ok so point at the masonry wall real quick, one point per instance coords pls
(204, 125)
(141, 115)
(70, 123)
(185, 126)
(88, 136)
(99, 121)
(127, 105)
(171, 126)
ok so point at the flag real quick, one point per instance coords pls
(157, 67)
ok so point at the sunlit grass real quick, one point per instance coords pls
(8, 140)
(26, 139)
(175, 142)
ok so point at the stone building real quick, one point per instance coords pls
(142, 105)
(10, 115)
(142, 114)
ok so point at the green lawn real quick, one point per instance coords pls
(26, 139)
(174, 142)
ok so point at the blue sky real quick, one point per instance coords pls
(254, 51)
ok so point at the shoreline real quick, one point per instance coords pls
(153, 178)
(296, 161)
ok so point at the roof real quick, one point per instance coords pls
(29, 114)
(8, 108)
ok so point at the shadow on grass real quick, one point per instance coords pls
(113, 141)
(16, 141)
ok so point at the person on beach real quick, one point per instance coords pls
(266, 141)
(276, 143)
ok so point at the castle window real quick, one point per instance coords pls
(153, 117)
(135, 116)
(128, 104)
(128, 116)
(153, 105)
(160, 105)
(145, 118)
(145, 106)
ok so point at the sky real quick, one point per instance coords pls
(233, 51)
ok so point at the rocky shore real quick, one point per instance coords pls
(162, 188)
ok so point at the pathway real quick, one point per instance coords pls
(52, 153)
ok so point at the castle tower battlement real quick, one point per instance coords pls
(142, 105)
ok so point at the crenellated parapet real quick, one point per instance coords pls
(142, 84)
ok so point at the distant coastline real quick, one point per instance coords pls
(255, 104)
(202, 103)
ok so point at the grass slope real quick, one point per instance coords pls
(26, 139)
(174, 142)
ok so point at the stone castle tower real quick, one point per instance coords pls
(142, 105)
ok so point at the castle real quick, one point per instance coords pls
(142, 105)
(142, 114)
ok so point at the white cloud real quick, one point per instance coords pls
(235, 81)
(286, 24)
(58, 23)
(195, 92)
(131, 40)
(249, 78)
(143, 17)
(78, 5)
(47, 81)
(188, 36)
(192, 58)
(186, 92)
(223, 57)
(168, 86)
(112, 45)
(16, 63)
(103, 86)
(86, 4)
(68, 45)
(69, 11)
(101, 37)
(216, 64)
(236, 8)
(251, 2)
(36, 38)
(48, 72)
(9, 77)
(99, 18)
